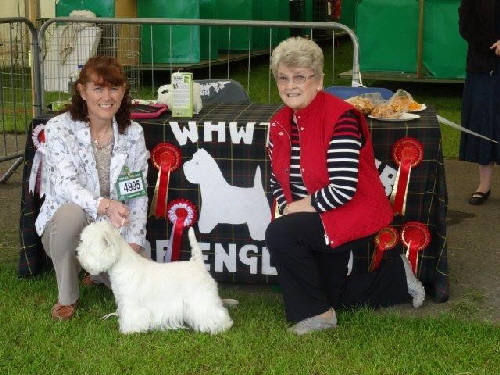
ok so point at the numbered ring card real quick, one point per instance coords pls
(130, 185)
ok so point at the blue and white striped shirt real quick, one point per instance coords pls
(342, 163)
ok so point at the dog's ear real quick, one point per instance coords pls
(109, 249)
(111, 239)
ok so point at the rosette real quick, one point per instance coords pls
(407, 153)
(182, 214)
(166, 158)
(416, 237)
(386, 239)
(35, 181)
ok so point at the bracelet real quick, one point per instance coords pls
(107, 207)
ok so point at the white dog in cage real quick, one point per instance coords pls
(152, 295)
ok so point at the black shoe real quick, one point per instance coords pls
(478, 197)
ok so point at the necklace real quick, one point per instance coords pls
(102, 146)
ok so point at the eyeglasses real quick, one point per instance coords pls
(298, 79)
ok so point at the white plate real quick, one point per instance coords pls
(422, 107)
(404, 117)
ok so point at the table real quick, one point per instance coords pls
(235, 135)
(427, 195)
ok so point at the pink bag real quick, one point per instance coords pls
(139, 111)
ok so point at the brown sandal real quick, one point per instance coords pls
(63, 313)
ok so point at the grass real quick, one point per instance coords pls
(364, 343)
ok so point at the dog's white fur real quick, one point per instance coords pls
(154, 295)
(224, 203)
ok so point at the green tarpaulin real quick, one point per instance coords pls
(388, 32)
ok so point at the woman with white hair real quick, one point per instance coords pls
(330, 196)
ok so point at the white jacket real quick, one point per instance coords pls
(70, 172)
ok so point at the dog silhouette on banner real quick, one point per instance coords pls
(222, 203)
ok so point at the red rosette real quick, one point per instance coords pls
(38, 136)
(416, 237)
(166, 158)
(182, 214)
(166, 155)
(407, 153)
(386, 239)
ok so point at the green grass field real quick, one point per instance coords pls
(365, 342)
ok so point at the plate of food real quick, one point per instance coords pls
(401, 118)
(403, 101)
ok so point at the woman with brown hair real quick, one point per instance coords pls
(89, 148)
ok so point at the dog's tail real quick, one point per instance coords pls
(196, 254)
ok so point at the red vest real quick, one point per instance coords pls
(369, 210)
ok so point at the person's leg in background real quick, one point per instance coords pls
(60, 240)
(485, 175)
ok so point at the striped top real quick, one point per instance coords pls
(342, 162)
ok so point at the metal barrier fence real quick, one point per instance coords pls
(148, 46)
(18, 64)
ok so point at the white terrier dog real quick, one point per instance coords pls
(224, 203)
(152, 295)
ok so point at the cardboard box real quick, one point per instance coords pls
(182, 94)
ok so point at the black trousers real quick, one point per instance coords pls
(313, 276)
